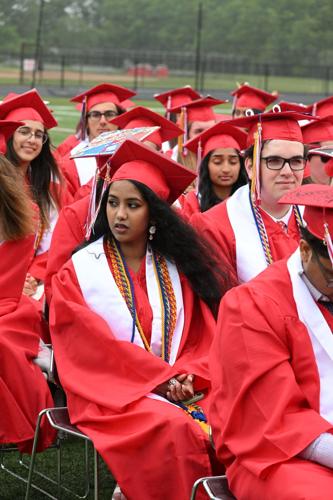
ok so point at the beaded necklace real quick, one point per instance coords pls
(262, 229)
(168, 303)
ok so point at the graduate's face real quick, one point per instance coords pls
(127, 213)
(98, 125)
(275, 183)
(198, 127)
(28, 141)
(317, 170)
(318, 269)
(224, 166)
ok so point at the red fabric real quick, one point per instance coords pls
(189, 204)
(68, 234)
(152, 448)
(66, 146)
(265, 392)
(23, 388)
(69, 171)
(214, 224)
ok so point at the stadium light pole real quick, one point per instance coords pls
(38, 43)
(198, 46)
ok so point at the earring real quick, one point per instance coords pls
(152, 231)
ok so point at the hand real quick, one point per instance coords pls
(181, 387)
(30, 285)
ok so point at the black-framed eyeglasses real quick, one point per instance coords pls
(278, 162)
(324, 271)
(97, 115)
(27, 133)
(324, 159)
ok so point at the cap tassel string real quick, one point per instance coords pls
(82, 124)
(199, 158)
(181, 137)
(185, 132)
(168, 108)
(94, 209)
(255, 182)
(328, 241)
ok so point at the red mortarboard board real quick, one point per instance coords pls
(27, 106)
(137, 162)
(277, 125)
(105, 92)
(318, 131)
(177, 97)
(321, 108)
(200, 109)
(253, 98)
(318, 212)
(144, 117)
(221, 135)
(293, 106)
(7, 128)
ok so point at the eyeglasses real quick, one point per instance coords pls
(97, 115)
(277, 162)
(324, 159)
(324, 271)
(27, 133)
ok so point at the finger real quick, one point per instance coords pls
(182, 377)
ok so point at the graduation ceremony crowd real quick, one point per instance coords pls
(185, 283)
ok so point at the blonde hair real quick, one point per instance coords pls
(16, 211)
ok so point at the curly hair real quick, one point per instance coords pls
(177, 241)
(207, 196)
(16, 213)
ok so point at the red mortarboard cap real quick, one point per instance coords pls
(177, 97)
(318, 212)
(27, 106)
(277, 125)
(221, 117)
(200, 109)
(7, 128)
(253, 98)
(293, 106)
(318, 131)
(144, 117)
(221, 135)
(137, 162)
(105, 92)
(321, 108)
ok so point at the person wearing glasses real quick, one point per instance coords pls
(251, 229)
(24, 391)
(99, 105)
(271, 364)
(29, 151)
(316, 134)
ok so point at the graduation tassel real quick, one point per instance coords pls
(168, 108)
(82, 129)
(255, 182)
(328, 241)
(93, 209)
(181, 137)
(199, 158)
(185, 131)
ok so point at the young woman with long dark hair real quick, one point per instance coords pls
(221, 171)
(131, 314)
(29, 150)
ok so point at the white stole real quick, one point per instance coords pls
(319, 332)
(103, 296)
(86, 167)
(45, 241)
(250, 257)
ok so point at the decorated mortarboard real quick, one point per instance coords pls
(7, 128)
(137, 162)
(220, 135)
(177, 97)
(318, 212)
(265, 126)
(144, 117)
(321, 108)
(27, 106)
(318, 131)
(246, 96)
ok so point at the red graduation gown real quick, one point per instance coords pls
(23, 389)
(153, 448)
(66, 146)
(189, 204)
(265, 393)
(215, 226)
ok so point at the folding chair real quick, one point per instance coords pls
(215, 487)
(59, 419)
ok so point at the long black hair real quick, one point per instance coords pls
(207, 196)
(43, 169)
(178, 242)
